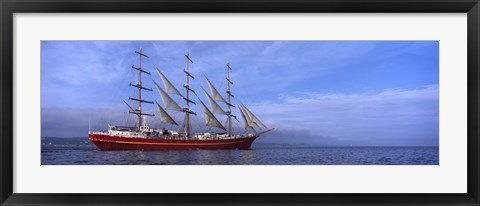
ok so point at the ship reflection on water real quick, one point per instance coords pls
(69, 155)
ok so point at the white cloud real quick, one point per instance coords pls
(390, 117)
(392, 114)
(78, 63)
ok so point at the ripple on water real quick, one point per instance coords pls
(255, 156)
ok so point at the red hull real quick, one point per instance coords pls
(107, 142)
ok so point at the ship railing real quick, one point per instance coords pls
(97, 132)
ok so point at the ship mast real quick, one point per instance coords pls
(139, 86)
(186, 98)
(229, 109)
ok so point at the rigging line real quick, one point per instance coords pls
(199, 122)
(164, 60)
(209, 129)
(126, 118)
(151, 96)
(168, 127)
(194, 123)
(119, 91)
(237, 125)
(211, 65)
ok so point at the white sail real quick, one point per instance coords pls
(169, 88)
(164, 116)
(210, 119)
(248, 117)
(167, 100)
(252, 116)
(248, 127)
(215, 94)
(216, 109)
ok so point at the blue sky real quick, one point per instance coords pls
(364, 93)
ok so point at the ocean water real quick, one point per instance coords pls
(260, 154)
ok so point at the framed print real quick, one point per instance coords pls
(264, 102)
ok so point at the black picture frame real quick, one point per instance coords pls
(10, 7)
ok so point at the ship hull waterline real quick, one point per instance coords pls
(109, 142)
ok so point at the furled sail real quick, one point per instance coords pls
(215, 94)
(164, 116)
(210, 119)
(167, 100)
(248, 127)
(252, 117)
(216, 109)
(169, 88)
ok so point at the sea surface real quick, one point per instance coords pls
(83, 153)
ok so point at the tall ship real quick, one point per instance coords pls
(142, 137)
